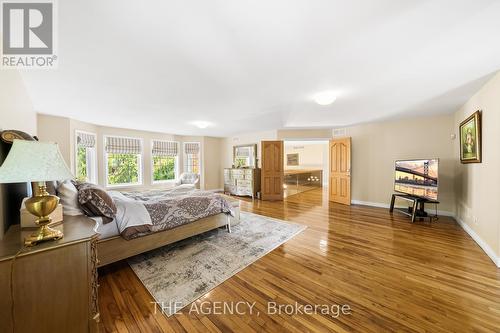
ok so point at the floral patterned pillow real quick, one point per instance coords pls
(95, 201)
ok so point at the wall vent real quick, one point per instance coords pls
(339, 132)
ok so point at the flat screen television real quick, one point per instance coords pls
(417, 178)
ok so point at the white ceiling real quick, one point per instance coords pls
(255, 64)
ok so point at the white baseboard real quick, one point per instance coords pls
(216, 190)
(368, 203)
(384, 205)
(486, 248)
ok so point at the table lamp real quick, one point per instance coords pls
(33, 161)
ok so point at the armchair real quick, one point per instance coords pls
(188, 178)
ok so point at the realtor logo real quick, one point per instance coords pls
(28, 34)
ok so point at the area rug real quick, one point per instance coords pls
(183, 272)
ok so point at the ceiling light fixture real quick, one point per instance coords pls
(202, 124)
(325, 98)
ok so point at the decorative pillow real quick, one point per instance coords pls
(95, 201)
(68, 195)
(51, 187)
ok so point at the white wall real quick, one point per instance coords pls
(58, 130)
(212, 157)
(16, 109)
(16, 112)
(243, 139)
(478, 184)
(376, 146)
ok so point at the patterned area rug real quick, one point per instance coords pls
(183, 272)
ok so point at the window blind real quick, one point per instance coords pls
(165, 148)
(85, 140)
(116, 145)
(192, 148)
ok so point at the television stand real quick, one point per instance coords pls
(417, 208)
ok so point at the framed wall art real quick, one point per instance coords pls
(470, 139)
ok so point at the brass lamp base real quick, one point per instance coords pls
(43, 234)
(41, 205)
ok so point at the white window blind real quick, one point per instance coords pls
(85, 140)
(117, 145)
(165, 148)
(192, 147)
(192, 157)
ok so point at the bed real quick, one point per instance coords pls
(112, 247)
(147, 220)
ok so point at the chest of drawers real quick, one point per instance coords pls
(54, 284)
(242, 182)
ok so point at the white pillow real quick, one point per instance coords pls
(68, 194)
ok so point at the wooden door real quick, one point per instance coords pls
(272, 170)
(340, 171)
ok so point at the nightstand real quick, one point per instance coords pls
(54, 283)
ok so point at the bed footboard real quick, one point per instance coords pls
(116, 248)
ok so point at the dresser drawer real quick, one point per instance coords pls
(230, 189)
(238, 172)
(238, 176)
(243, 191)
(244, 183)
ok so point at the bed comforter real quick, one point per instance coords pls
(142, 213)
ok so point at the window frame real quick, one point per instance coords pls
(176, 163)
(140, 163)
(184, 156)
(93, 178)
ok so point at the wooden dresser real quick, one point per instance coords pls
(244, 182)
(54, 283)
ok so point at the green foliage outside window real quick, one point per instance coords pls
(163, 168)
(81, 167)
(123, 169)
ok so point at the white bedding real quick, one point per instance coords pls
(129, 213)
(105, 230)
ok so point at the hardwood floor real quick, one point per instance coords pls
(394, 275)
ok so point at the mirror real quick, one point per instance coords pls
(245, 156)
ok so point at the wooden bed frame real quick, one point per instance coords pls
(117, 248)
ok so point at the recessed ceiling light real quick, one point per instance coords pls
(202, 124)
(325, 97)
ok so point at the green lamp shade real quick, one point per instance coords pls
(34, 161)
